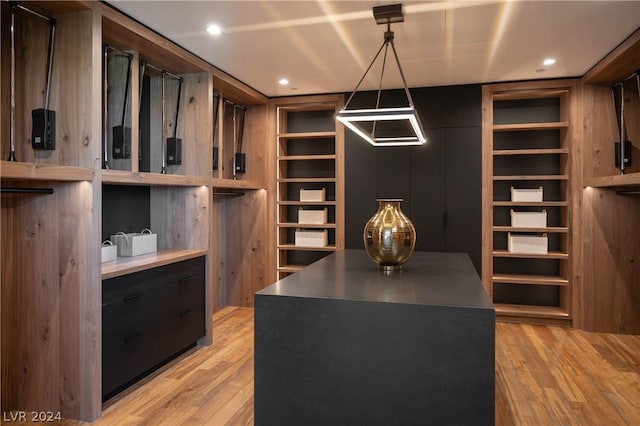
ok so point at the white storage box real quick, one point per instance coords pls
(526, 194)
(135, 244)
(529, 219)
(311, 238)
(313, 195)
(315, 217)
(109, 251)
(529, 244)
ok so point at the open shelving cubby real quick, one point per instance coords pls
(528, 133)
(309, 157)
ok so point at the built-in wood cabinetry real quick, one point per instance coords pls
(52, 221)
(610, 296)
(529, 142)
(309, 156)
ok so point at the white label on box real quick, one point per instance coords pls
(313, 195)
(528, 244)
(529, 219)
(312, 217)
(309, 238)
(526, 195)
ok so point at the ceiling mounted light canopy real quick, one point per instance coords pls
(385, 126)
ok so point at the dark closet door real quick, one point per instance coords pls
(463, 202)
(426, 205)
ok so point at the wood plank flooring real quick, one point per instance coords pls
(544, 376)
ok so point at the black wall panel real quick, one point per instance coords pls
(440, 182)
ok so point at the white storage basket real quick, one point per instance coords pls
(521, 195)
(315, 217)
(311, 238)
(528, 244)
(135, 244)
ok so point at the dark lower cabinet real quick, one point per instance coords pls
(148, 317)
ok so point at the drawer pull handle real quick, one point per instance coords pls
(131, 297)
(131, 338)
(183, 313)
(184, 280)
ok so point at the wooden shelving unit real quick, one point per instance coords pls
(50, 263)
(309, 155)
(610, 200)
(528, 141)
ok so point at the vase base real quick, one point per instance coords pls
(390, 268)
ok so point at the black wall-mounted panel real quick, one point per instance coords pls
(440, 182)
(464, 192)
(428, 192)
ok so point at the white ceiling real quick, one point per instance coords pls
(325, 46)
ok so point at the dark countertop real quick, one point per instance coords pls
(428, 278)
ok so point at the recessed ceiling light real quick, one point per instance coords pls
(283, 82)
(549, 61)
(214, 29)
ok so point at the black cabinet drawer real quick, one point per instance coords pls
(183, 329)
(185, 293)
(128, 286)
(140, 311)
(181, 270)
(127, 356)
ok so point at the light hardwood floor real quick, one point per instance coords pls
(544, 376)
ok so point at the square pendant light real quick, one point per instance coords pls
(385, 126)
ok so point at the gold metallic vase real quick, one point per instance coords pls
(389, 236)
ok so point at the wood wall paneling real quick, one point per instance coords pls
(239, 223)
(49, 362)
(611, 300)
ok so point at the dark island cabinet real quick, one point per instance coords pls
(148, 317)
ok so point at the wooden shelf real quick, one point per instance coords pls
(554, 229)
(307, 203)
(31, 171)
(307, 225)
(531, 311)
(539, 151)
(306, 180)
(550, 255)
(307, 157)
(129, 265)
(531, 204)
(532, 177)
(291, 268)
(120, 177)
(530, 279)
(631, 179)
(235, 184)
(529, 94)
(521, 127)
(301, 248)
(307, 135)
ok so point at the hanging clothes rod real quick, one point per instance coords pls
(228, 193)
(26, 190)
(634, 192)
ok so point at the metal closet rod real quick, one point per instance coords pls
(118, 51)
(147, 64)
(33, 12)
(628, 192)
(26, 190)
(228, 193)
